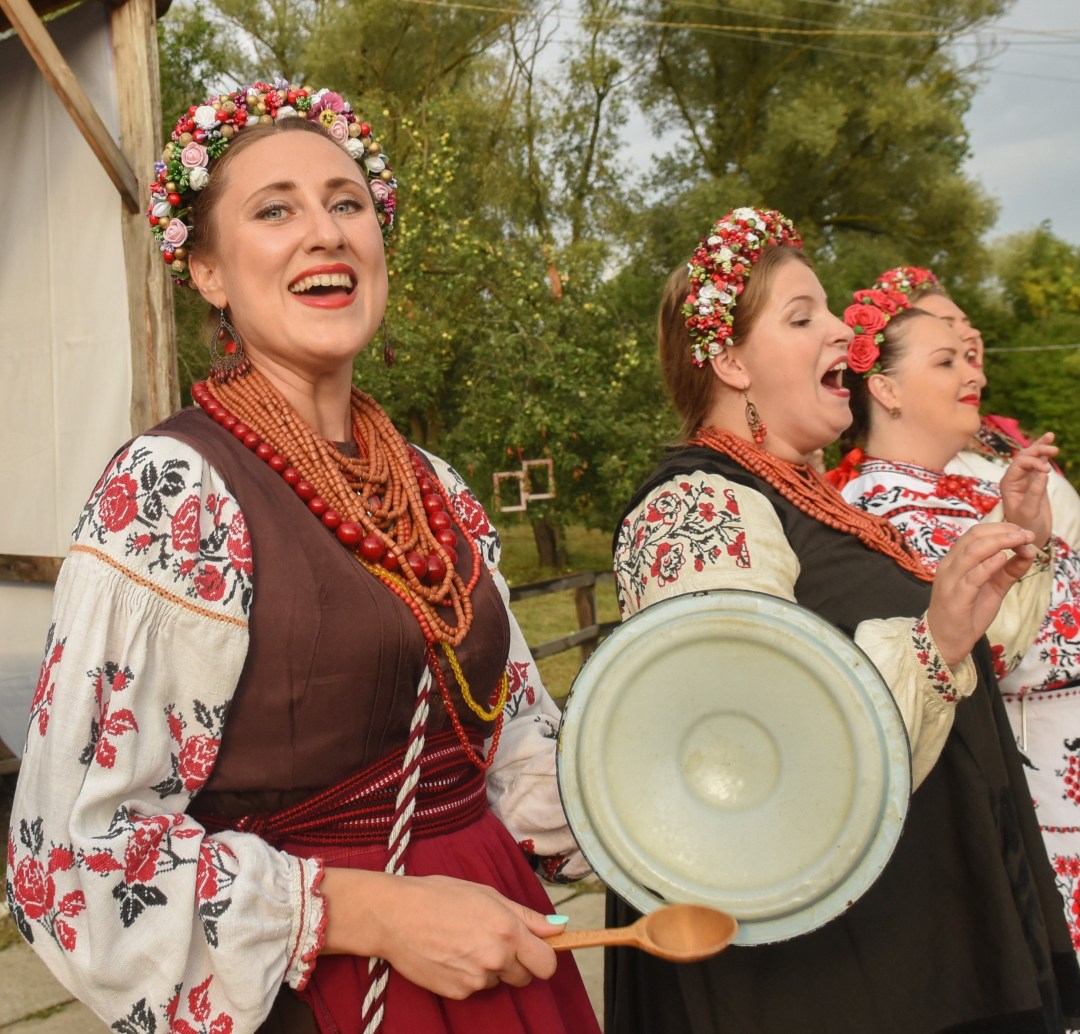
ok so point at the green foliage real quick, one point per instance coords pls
(529, 259)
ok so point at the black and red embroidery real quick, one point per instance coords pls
(676, 528)
(35, 900)
(198, 546)
(197, 744)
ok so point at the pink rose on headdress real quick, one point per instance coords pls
(194, 156)
(380, 190)
(862, 353)
(328, 101)
(339, 129)
(864, 318)
(175, 233)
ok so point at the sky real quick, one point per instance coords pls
(1024, 123)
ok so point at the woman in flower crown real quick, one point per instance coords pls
(962, 930)
(991, 448)
(290, 762)
(915, 399)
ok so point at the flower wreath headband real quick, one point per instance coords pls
(203, 134)
(718, 270)
(874, 307)
(868, 316)
(905, 279)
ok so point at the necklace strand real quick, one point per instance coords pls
(808, 491)
(387, 493)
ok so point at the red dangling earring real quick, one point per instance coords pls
(757, 426)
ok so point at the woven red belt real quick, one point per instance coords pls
(358, 811)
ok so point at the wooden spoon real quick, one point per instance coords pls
(678, 933)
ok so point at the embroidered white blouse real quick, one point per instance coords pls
(136, 909)
(700, 531)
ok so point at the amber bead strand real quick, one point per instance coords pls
(806, 489)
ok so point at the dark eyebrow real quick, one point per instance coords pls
(285, 186)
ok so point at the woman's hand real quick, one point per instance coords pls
(971, 582)
(1024, 499)
(447, 935)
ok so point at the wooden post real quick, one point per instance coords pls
(60, 77)
(154, 380)
(585, 605)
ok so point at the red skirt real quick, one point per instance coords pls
(482, 852)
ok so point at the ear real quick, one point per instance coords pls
(883, 390)
(206, 277)
(730, 369)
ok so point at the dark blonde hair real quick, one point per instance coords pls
(693, 388)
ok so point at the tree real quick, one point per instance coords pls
(846, 117)
(1033, 362)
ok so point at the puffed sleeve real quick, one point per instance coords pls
(522, 785)
(142, 915)
(700, 531)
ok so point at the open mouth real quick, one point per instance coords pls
(322, 285)
(834, 376)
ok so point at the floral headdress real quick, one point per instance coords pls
(905, 279)
(718, 271)
(203, 133)
(868, 316)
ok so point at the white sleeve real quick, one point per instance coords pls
(141, 914)
(700, 531)
(522, 785)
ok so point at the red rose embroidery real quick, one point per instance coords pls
(196, 760)
(1065, 621)
(34, 890)
(185, 526)
(117, 507)
(862, 353)
(239, 545)
(210, 583)
(143, 849)
(206, 883)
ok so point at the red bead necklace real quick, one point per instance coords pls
(403, 571)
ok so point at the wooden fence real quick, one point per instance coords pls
(589, 632)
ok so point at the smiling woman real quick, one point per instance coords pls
(917, 407)
(290, 759)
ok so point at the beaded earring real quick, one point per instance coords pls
(757, 426)
(226, 351)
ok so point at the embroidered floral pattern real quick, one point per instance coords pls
(674, 528)
(933, 510)
(46, 684)
(194, 756)
(111, 722)
(935, 668)
(153, 510)
(199, 1018)
(33, 895)
(1067, 874)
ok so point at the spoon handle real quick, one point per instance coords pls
(570, 939)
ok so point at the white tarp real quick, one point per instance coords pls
(65, 365)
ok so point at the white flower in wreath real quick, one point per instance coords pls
(198, 178)
(375, 164)
(355, 149)
(161, 208)
(709, 293)
(286, 111)
(744, 215)
(205, 117)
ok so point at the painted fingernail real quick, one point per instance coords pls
(558, 920)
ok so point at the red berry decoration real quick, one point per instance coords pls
(436, 569)
(439, 521)
(349, 533)
(418, 563)
(372, 548)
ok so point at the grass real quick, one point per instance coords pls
(549, 617)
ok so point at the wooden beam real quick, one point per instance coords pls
(17, 567)
(155, 391)
(60, 77)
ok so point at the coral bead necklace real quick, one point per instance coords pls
(382, 504)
